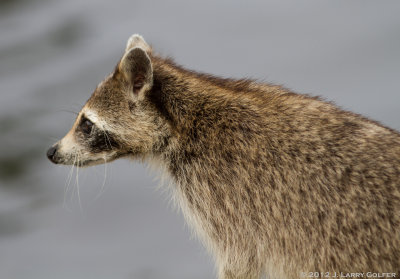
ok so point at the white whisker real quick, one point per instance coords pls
(107, 138)
(104, 180)
(68, 184)
(77, 182)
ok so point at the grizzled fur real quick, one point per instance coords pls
(273, 182)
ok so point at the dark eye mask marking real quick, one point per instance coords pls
(102, 141)
(96, 140)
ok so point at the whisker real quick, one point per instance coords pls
(77, 183)
(76, 104)
(107, 138)
(104, 180)
(52, 138)
(68, 183)
(69, 111)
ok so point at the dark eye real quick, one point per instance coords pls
(86, 126)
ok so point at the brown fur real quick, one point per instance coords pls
(273, 182)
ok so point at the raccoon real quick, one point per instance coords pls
(274, 183)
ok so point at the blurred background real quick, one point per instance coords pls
(114, 221)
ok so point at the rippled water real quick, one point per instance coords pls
(52, 55)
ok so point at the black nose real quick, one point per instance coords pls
(51, 152)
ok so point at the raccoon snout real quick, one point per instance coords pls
(51, 153)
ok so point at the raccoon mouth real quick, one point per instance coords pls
(80, 163)
(79, 160)
(88, 163)
(102, 160)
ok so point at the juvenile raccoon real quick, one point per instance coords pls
(273, 182)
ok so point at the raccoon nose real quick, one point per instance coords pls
(51, 152)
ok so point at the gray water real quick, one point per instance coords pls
(53, 54)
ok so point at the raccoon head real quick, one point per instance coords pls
(118, 120)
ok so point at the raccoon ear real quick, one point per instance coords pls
(137, 41)
(136, 67)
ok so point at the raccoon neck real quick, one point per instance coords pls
(176, 97)
(203, 112)
(194, 102)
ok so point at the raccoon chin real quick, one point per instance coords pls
(88, 162)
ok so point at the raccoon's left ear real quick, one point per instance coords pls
(136, 67)
(137, 41)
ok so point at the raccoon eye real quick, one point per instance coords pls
(86, 126)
